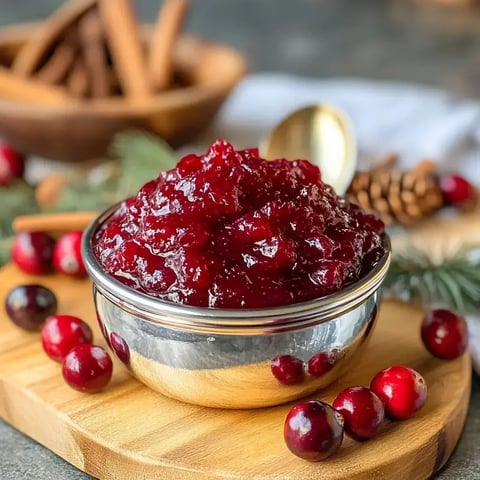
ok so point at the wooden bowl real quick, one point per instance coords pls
(83, 131)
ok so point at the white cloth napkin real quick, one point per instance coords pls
(413, 121)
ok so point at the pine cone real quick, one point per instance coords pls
(398, 197)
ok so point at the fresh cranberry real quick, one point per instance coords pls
(288, 369)
(32, 252)
(371, 222)
(321, 363)
(12, 164)
(456, 190)
(87, 368)
(120, 347)
(362, 410)
(330, 273)
(445, 334)
(63, 332)
(402, 389)
(28, 306)
(313, 430)
(229, 229)
(67, 255)
(371, 259)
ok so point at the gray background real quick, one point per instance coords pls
(402, 40)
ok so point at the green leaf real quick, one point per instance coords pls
(143, 157)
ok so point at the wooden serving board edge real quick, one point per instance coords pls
(61, 436)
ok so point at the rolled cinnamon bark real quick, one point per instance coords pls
(92, 41)
(53, 222)
(78, 79)
(15, 87)
(169, 23)
(121, 30)
(57, 66)
(33, 52)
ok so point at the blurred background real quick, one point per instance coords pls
(434, 42)
(429, 42)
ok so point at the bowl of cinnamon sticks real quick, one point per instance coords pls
(70, 83)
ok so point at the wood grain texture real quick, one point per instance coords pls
(131, 432)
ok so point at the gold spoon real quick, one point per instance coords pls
(319, 133)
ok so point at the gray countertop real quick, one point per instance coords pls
(410, 41)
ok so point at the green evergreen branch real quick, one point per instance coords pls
(141, 158)
(453, 283)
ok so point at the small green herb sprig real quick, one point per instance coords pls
(141, 157)
(454, 282)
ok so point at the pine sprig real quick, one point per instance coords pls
(141, 157)
(453, 283)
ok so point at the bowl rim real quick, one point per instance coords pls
(230, 321)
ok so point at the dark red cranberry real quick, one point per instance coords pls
(313, 430)
(371, 259)
(362, 410)
(67, 255)
(32, 252)
(445, 334)
(288, 370)
(120, 347)
(63, 332)
(321, 363)
(12, 164)
(402, 389)
(87, 368)
(28, 306)
(372, 222)
(456, 190)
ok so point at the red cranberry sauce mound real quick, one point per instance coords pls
(232, 230)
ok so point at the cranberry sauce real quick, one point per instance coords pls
(232, 230)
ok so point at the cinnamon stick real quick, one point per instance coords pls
(53, 222)
(58, 65)
(93, 49)
(14, 87)
(122, 34)
(77, 81)
(169, 23)
(32, 53)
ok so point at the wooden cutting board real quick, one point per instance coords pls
(129, 432)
